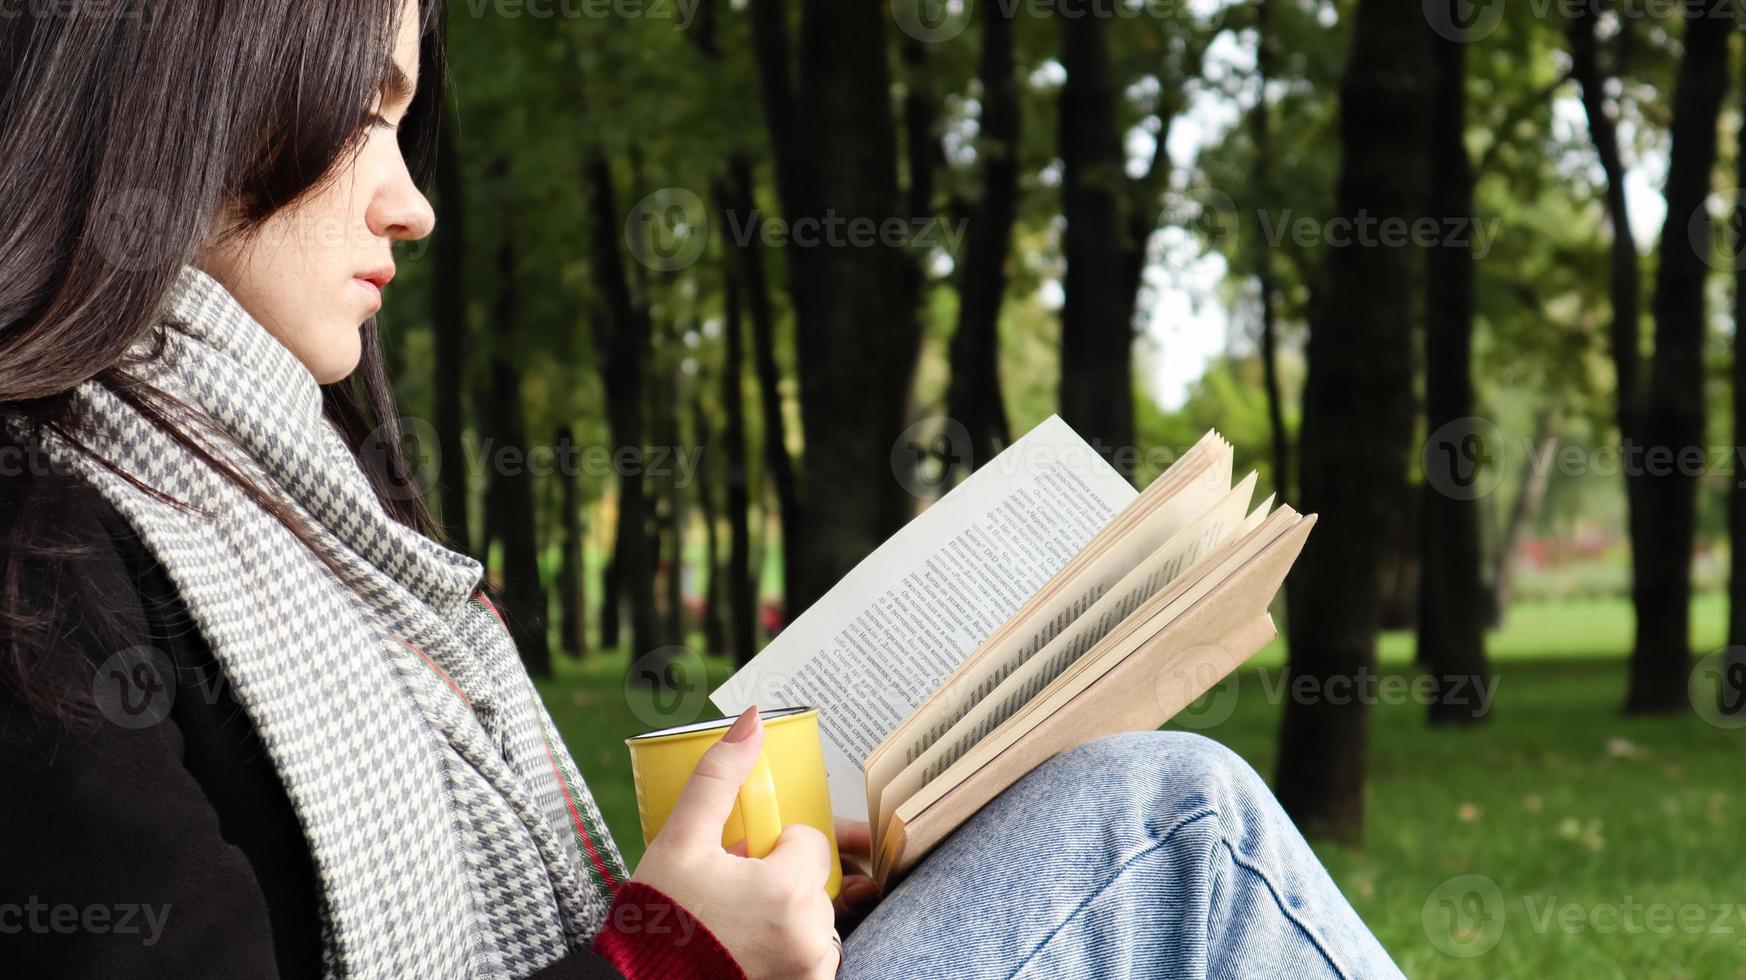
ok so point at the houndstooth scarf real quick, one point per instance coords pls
(450, 829)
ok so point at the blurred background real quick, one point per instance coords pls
(725, 291)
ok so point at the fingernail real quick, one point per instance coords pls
(743, 726)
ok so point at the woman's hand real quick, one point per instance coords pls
(859, 894)
(770, 913)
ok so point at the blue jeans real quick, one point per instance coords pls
(1154, 854)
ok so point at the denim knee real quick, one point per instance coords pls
(1158, 780)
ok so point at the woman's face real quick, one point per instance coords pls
(313, 273)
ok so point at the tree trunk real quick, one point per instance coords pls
(974, 396)
(760, 548)
(572, 611)
(1536, 473)
(1401, 568)
(611, 598)
(1266, 281)
(836, 164)
(858, 350)
(1673, 414)
(780, 466)
(1734, 660)
(1357, 422)
(923, 154)
(624, 338)
(1452, 611)
(715, 634)
(449, 326)
(742, 597)
(673, 521)
(524, 599)
(492, 530)
(1097, 329)
(1624, 285)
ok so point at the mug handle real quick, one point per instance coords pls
(759, 813)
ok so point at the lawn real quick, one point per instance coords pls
(1559, 840)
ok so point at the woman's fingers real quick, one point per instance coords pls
(854, 837)
(858, 896)
(802, 854)
(707, 800)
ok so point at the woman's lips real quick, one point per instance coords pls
(374, 281)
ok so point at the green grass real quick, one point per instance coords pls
(596, 711)
(1590, 826)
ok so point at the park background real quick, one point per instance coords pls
(724, 291)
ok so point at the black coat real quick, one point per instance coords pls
(158, 840)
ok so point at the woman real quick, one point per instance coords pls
(255, 721)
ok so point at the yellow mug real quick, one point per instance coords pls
(787, 785)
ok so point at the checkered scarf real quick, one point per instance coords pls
(450, 829)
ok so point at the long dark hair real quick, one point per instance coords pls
(129, 130)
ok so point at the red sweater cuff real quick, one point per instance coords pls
(648, 935)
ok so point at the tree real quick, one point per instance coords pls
(1097, 328)
(1452, 599)
(1110, 216)
(735, 200)
(715, 634)
(670, 515)
(1266, 280)
(623, 338)
(749, 273)
(572, 575)
(449, 325)
(974, 396)
(833, 137)
(1734, 661)
(742, 596)
(524, 596)
(1536, 472)
(1357, 419)
(1673, 411)
(1624, 282)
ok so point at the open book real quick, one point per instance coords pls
(1040, 604)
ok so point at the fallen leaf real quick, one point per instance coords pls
(1624, 748)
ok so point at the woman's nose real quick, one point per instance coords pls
(401, 212)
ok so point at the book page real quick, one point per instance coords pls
(873, 647)
(1182, 493)
(1152, 618)
(1216, 524)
